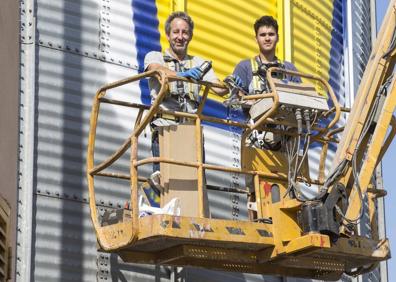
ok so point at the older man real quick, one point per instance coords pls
(175, 60)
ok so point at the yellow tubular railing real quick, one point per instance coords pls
(142, 121)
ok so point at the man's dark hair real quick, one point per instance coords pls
(265, 21)
(180, 15)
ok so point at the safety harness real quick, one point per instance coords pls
(259, 80)
(180, 88)
(260, 138)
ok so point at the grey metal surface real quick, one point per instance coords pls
(70, 25)
(66, 86)
(80, 46)
(70, 68)
(64, 240)
(65, 96)
(361, 30)
(117, 33)
(98, 29)
(361, 38)
(26, 143)
(65, 247)
(112, 268)
(196, 275)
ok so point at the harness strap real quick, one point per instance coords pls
(256, 81)
(190, 90)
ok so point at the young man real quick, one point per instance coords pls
(250, 74)
(247, 72)
(175, 60)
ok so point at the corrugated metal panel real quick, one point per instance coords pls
(112, 268)
(317, 40)
(317, 44)
(64, 101)
(65, 247)
(164, 8)
(70, 25)
(74, 36)
(361, 38)
(95, 28)
(360, 50)
(68, 74)
(361, 46)
(66, 83)
(224, 31)
(117, 33)
(27, 97)
(65, 242)
(197, 275)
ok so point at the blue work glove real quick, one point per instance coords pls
(238, 80)
(194, 73)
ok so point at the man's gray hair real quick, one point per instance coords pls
(180, 15)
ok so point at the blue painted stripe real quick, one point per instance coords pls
(217, 109)
(337, 50)
(336, 57)
(147, 37)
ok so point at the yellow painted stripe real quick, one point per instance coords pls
(163, 11)
(224, 31)
(311, 27)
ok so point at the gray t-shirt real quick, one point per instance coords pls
(171, 102)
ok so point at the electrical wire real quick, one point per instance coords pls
(365, 130)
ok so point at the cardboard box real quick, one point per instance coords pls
(178, 142)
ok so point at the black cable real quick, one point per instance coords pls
(366, 128)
